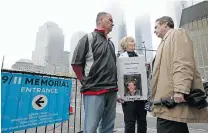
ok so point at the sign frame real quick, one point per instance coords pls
(37, 99)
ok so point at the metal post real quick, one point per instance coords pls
(75, 110)
(145, 51)
(61, 127)
(45, 128)
(80, 114)
(54, 127)
(54, 69)
(68, 126)
(2, 63)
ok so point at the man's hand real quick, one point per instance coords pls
(147, 65)
(179, 97)
(120, 100)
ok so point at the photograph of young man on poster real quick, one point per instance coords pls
(132, 85)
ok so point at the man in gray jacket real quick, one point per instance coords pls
(94, 62)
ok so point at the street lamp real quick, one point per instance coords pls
(145, 51)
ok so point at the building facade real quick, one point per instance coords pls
(194, 20)
(28, 66)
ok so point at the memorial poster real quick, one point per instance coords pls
(132, 78)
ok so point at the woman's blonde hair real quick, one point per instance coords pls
(124, 42)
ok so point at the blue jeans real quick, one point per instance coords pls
(99, 107)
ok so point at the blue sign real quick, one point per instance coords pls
(29, 101)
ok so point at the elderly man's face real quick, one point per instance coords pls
(160, 29)
(107, 22)
(131, 87)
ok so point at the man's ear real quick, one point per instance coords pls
(101, 18)
(166, 24)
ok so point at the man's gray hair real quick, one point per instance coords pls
(167, 19)
(99, 15)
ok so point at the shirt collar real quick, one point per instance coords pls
(98, 30)
(102, 32)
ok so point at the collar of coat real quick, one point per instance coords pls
(125, 54)
(167, 34)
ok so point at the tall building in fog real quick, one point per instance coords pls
(49, 49)
(174, 10)
(64, 66)
(143, 36)
(49, 45)
(73, 43)
(119, 29)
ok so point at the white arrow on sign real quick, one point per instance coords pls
(39, 102)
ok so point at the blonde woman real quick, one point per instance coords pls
(134, 111)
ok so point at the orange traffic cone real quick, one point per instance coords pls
(71, 110)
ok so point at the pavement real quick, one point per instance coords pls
(74, 127)
(119, 123)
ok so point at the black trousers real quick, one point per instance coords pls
(135, 112)
(166, 126)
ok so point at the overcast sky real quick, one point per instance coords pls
(20, 20)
